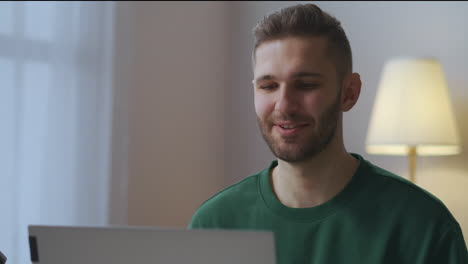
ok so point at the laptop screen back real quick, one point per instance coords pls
(144, 245)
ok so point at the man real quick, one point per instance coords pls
(324, 204)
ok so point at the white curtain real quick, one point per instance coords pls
(55, 117)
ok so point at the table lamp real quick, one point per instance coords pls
(412, 113)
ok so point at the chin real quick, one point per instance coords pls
(299, 151)
(290, 153)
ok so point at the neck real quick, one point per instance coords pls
(314, 181)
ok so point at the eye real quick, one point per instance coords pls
(268, 87)
(307, 85)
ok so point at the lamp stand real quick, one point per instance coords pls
(412, 163)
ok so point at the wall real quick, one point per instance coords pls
(377, 32)
(170, 109)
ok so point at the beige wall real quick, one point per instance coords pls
(191, 120)
(175, 96)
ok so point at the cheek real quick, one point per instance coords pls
(315, 105)
(312, 104)
(263, 106)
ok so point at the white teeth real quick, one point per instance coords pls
(288, 127)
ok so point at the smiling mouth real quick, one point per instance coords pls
(289, 129)
(290, 126)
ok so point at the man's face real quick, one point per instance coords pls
(297, 96)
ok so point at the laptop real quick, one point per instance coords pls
(148, 245)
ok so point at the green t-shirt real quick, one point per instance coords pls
(377, 218)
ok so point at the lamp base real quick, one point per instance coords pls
(412, 163)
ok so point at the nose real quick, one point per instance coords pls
(287, 101)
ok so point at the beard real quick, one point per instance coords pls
(298, 148)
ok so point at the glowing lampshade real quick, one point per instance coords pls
(412, 114)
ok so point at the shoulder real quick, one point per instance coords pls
(217, 209)
(405, 197)
(234, 194)
(418, 218)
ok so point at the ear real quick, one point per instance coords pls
(350, 92)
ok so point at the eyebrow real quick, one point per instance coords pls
(295, 75)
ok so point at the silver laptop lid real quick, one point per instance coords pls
(144, 245)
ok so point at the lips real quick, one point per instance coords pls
(289, 129)
(289, 126)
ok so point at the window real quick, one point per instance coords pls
(55, 114)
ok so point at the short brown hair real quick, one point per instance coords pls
(306, 20)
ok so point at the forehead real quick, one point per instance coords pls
(286, 56)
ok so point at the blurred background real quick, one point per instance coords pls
(134, 113)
